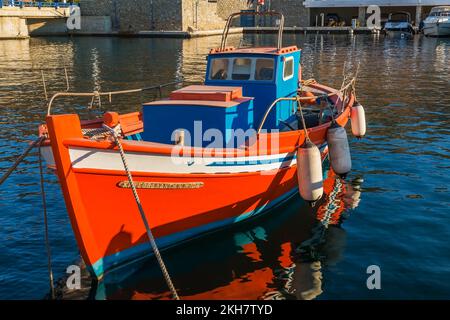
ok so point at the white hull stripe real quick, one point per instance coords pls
(85, 158)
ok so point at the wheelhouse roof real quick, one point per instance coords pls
(261, 50)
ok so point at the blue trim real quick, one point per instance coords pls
(258, 162)
(136, 137)
(250, 162)
(144, 250)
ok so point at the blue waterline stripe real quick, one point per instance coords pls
(250, 162)
(144, 250)
(258, 162)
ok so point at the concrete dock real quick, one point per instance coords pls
(19, 22)
(245, 30)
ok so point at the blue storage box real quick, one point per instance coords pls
(208, 115)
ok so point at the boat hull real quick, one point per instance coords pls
(436, 29)
(132, 254)
(399, 33)
(184, 194)
(401, 29)
(177, 207)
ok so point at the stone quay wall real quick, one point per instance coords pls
(207, 15)
(168, 15)
(184, 15)
(295, 14)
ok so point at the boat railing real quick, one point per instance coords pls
(345, 92)
(253, 13)
(99, 94)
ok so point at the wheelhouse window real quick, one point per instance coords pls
(264, 69)
(241, 69)
(219, 69)
(288, 68)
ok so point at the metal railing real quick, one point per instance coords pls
(252, 13)
(344, 91)
(36, 4)
(99, 94)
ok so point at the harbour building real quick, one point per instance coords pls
(187, 17)
(322, 12)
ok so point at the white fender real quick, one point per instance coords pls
(309, 172)
(339, 150)
(358, 119)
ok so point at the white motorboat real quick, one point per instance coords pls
(437, 24)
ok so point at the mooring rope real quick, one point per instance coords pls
(20, 159)
(308, 82)
(38, 143)
(327, 99)
(44, 85)
(303, 120)
(144, 219)
(47, 242)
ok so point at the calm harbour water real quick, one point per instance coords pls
(392, 211)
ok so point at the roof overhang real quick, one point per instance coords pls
(366, 3)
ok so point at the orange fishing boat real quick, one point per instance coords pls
(207, 157)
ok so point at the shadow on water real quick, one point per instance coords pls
(278, 256)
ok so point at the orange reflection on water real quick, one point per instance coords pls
(281, 262)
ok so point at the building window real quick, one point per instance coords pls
(288, 68)
(241, 69)
(219, 69)
(264, 69)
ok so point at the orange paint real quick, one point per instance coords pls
(309, 94)
(111, 119)
(207, 93)
(250, 286)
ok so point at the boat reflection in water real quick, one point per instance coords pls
(269, 258)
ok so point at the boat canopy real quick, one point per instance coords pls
(399, 16)
(440, 11)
